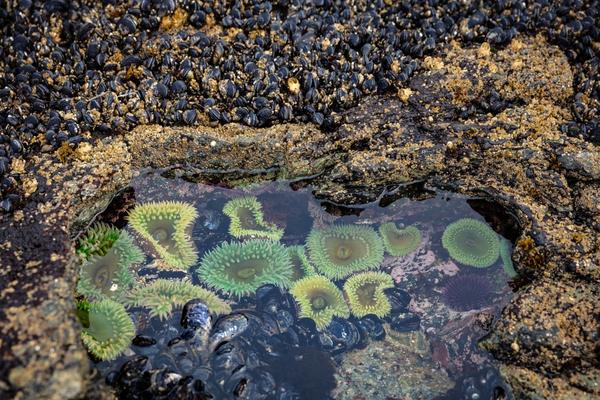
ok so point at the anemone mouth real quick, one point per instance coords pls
(247, 271)
(319, 299)
(101, 271)
(471, 242)
(241, 268)
(365, 293)
(400, 242)
(110, 329)
(340, 250)
(248, 219)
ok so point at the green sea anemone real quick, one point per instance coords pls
(400, 242)
(109, 275)
(247, 220)
(365, 295)
(165, 225)
(341, 250)
(506, 256)
(241, 268)
(162, 295)
(319, 299)
(109, 329)
(471, 242)
(301, 265)
(97, 240)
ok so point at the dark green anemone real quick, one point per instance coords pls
(365, 295)
(241, 268)
(109, 276)
(400, 242)
(471, 242)
(341, 250)
(300, 264)
(319, 299)
(97, 240)
(162, 295)
(247, 220)
(109, 329)
(166, 226)
(506, 256)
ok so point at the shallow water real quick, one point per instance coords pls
(424, 348)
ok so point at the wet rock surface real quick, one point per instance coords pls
(472, 120)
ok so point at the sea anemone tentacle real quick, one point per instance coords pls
(341, 250)
(319, 299)
(365, 293)
(241, 268)
(471, 242)
(247, 220)
(400, 242)
(109, 331)
(166, 226)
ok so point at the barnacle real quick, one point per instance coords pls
(109, 329)
(109, 275)
(471, 242)
(247, 219)
(467, 292)
(506, 257)
(300, 264)
(165, 225)
(340, 250)
(400, 242)
(241, 268)
(365, 295)
(97, 240)
(162, 295)
(319, 299)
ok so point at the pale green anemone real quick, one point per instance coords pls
(301, 265)
(109, 329)
(506, 256)
(109, 276)
(247, 220)
(400, 242)
(97, 240)
(241, 268)
(365, 295)
(166, 226)
(319, 299)
(162, 295)
(471, 242)
(341, 250)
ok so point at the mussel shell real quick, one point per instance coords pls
(405, 322)
(271, 299)
(342, 335)
(227, 328)
(398, 298)
(130, 372)
(372, 326)
(228, 357)
(248, 384)
(195, 315)
(162, 381)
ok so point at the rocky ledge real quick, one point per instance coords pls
(474, 121)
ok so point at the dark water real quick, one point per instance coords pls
(424, 348)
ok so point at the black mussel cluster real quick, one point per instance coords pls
(71, 70)
(261, 350)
